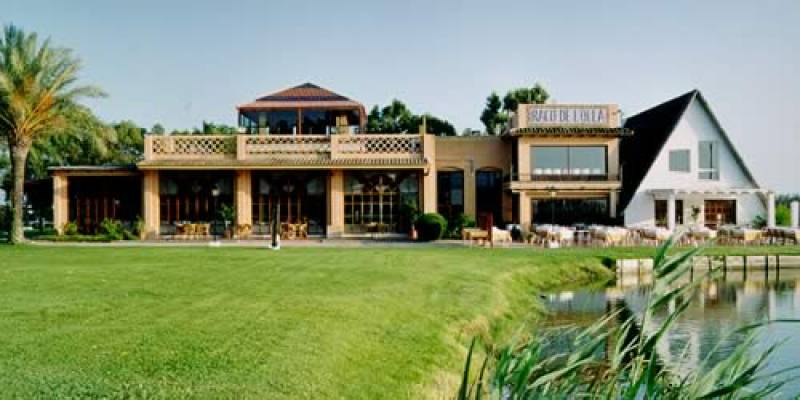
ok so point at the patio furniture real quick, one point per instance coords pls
(501, 236)
(655, 234)
(474, 234)
(700, 234)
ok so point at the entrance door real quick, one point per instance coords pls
(489, 195)
(720, 212)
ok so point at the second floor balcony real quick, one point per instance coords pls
(574, 179)
(286, 150)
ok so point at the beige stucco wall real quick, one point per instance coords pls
(470, 154)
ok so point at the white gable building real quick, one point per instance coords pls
(680, 168)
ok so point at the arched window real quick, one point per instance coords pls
(450, 193)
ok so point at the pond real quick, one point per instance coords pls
(708, 327)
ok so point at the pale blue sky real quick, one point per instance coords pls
(184, 61)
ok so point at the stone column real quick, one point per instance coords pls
(429, 174)
(795, 214)
(525, 216)
(671, 211)
(770, 209)
(336, 204)
(60, 202)
(244, 203)
(150, 204)
(613, 198)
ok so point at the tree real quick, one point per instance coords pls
(158, 129)
(38, 83)
(534, 95)
(497, 113)
(210, 128)
(491, 112)
(397, 117)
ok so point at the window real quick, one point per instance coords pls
(679, 161)
(661, 212)
(450, 192)
(708, 160)
(568, 160)
(569, 212)
(489, 195)
(719, 212)
(374, 202)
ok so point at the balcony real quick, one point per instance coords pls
(579, 181)
(286, 150)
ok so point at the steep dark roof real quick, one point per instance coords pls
(307, 95)
(652, 128)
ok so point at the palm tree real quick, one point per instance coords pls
(37, 86)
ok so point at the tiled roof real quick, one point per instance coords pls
(570, 131)
(307, 95)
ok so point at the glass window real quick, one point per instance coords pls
(679, 161)
(661, 212)
(373, 202)
(708, 160)
(489, 195)
(450, 193)
(587, 160)
(568, 160)
(549, 160)
(570, 212)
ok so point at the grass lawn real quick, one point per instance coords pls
(252, 323)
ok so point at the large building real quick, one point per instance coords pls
(303, 156)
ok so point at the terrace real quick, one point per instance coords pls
(286, 150)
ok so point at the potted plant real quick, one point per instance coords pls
(227, 215)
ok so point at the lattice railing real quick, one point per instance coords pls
(379, 146)
(285, 147)
(192, 147)
(314, 147)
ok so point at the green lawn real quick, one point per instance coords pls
(232, 323)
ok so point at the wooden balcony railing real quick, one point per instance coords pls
(285, 147)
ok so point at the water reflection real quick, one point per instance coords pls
(708, 327)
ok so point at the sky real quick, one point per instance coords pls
(182, 62)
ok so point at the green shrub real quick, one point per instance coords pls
(112, 229)
(70, 229)
(458, 224)
(5, 218)
(431, 226)
(74, 238)
(138, 226)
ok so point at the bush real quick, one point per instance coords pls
(458, 224)
(70, 229)
(5, 218)
(431, 226)
(112, 229)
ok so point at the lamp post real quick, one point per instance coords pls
(215, 195)
(552, 207)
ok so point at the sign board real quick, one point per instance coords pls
(551, 115)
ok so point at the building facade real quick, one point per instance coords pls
(302, 156)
